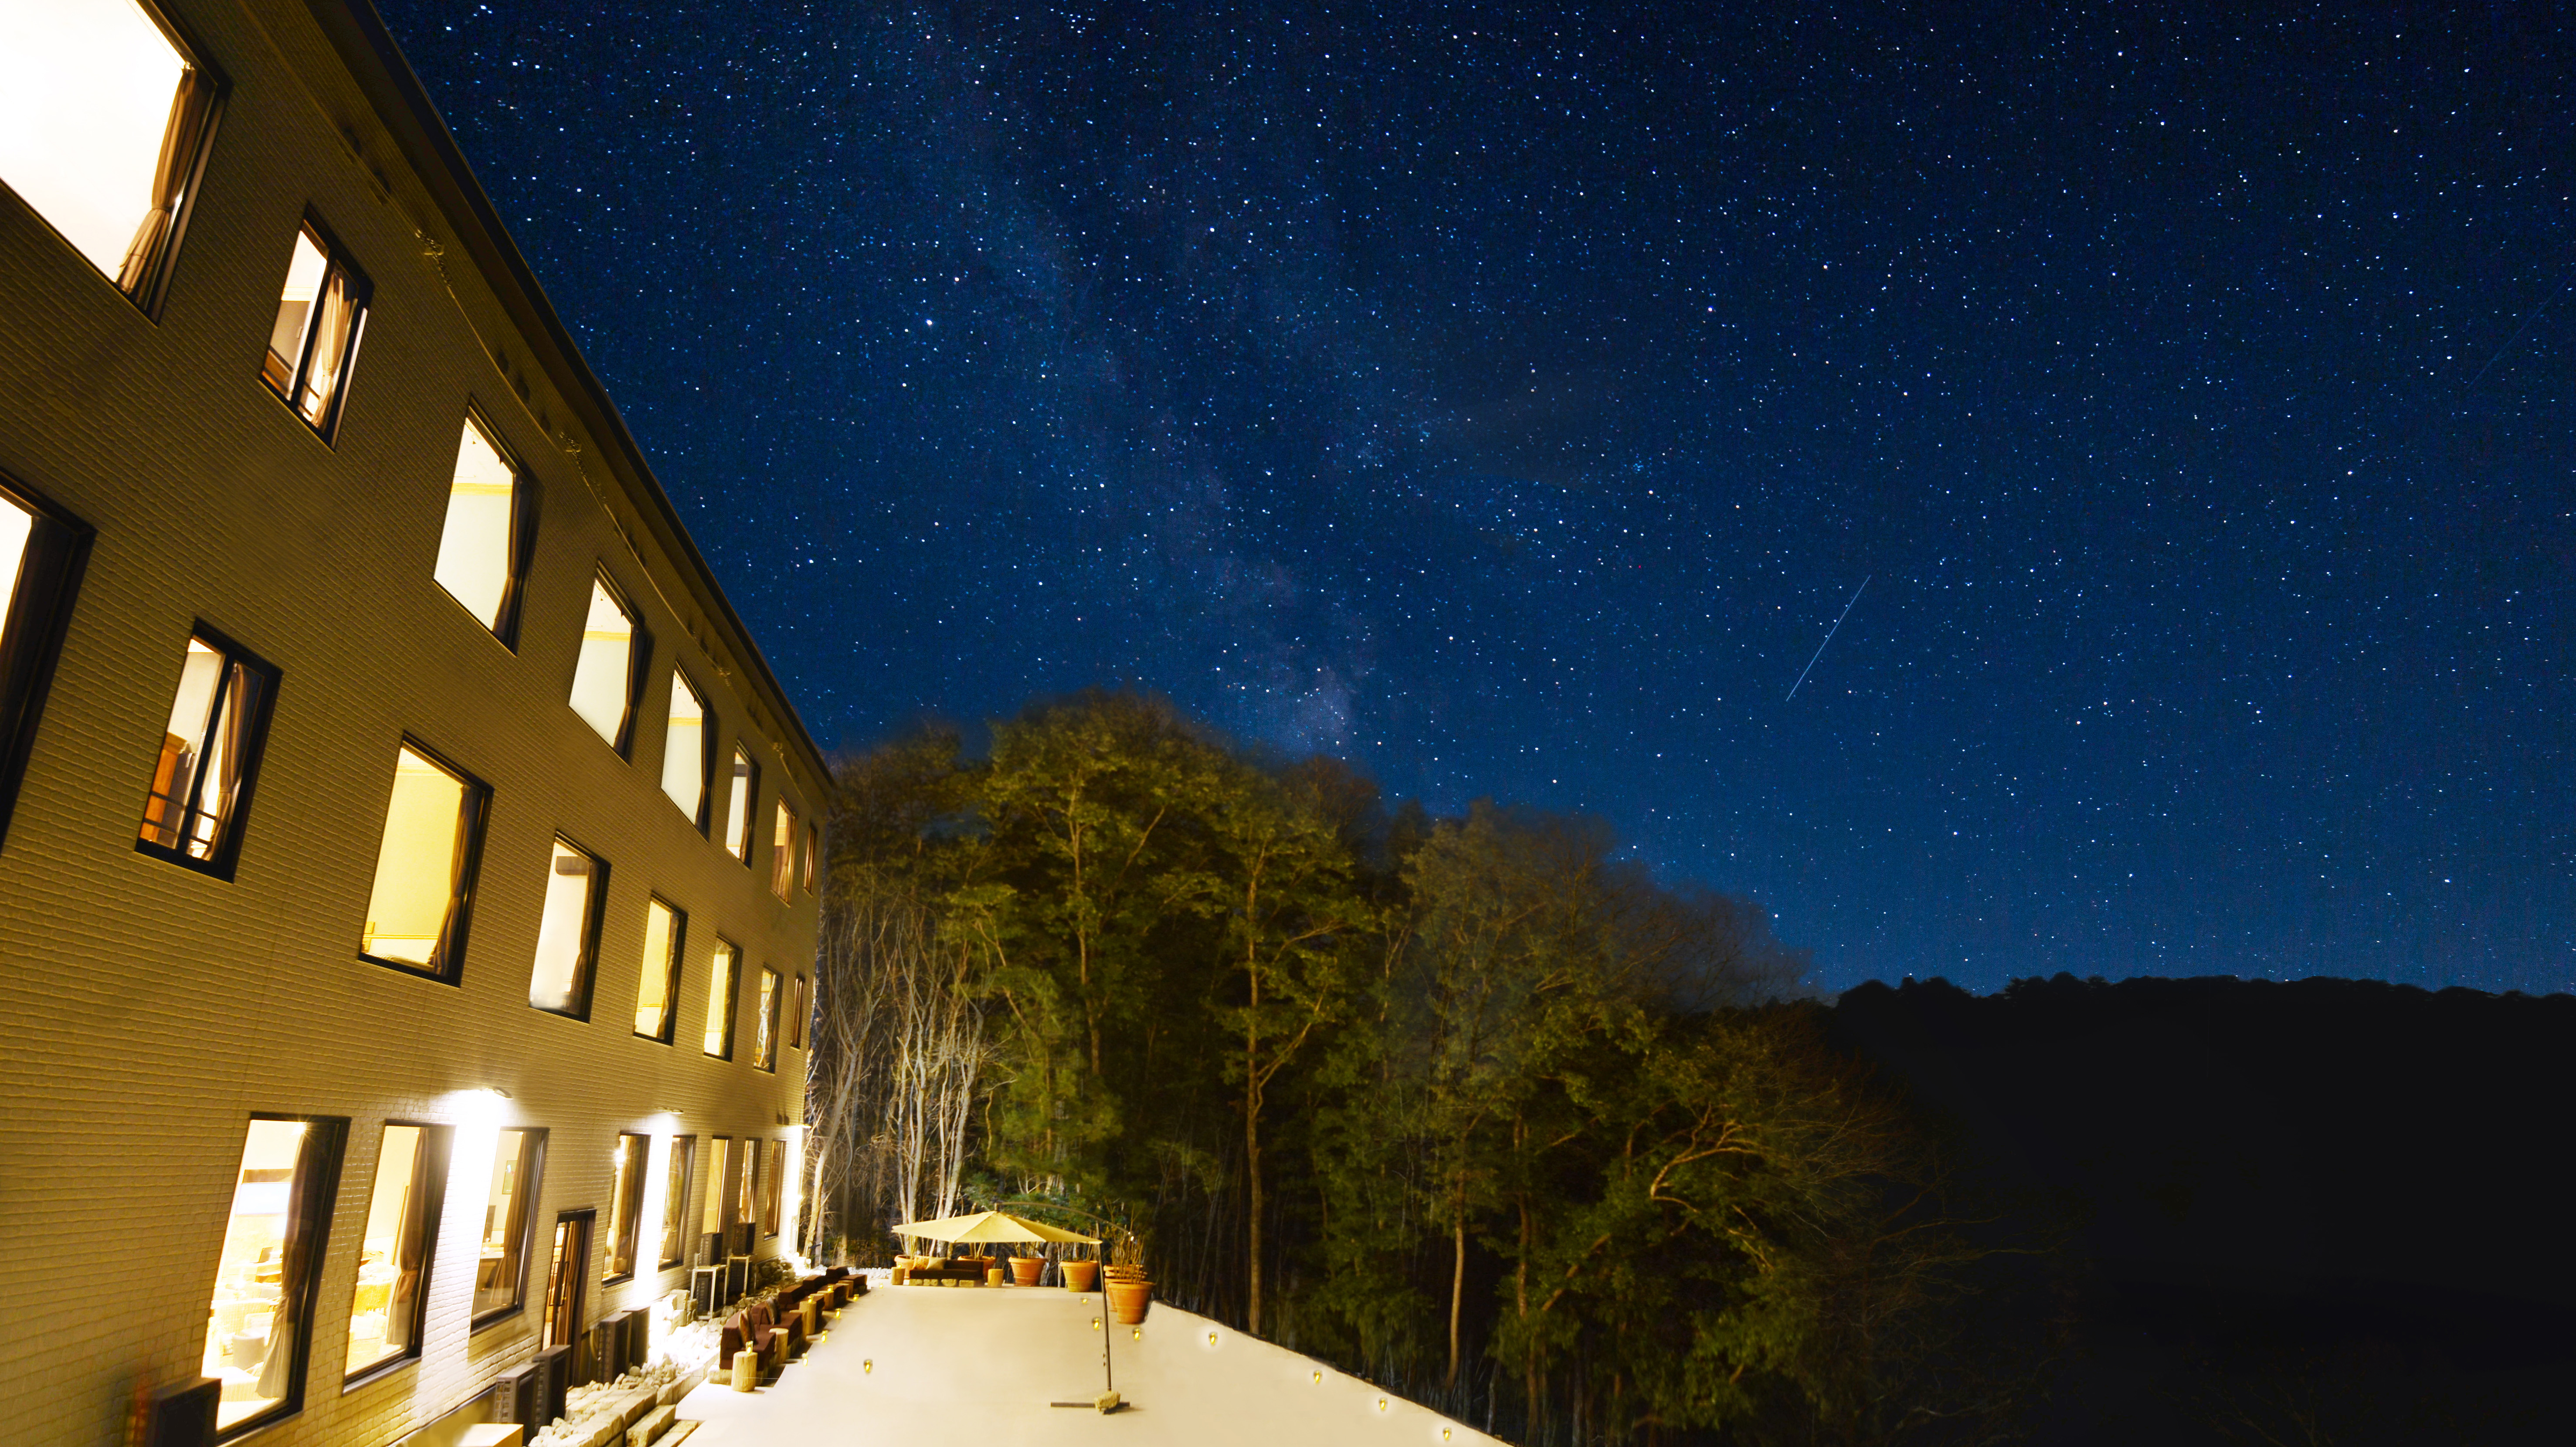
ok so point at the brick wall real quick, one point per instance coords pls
(148, 1010)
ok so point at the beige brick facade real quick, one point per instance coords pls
(150, 1010)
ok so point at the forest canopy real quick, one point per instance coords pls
(1470, 1105)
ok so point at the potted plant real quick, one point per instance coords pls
(1078, 1275)
(1129, 1293)
(1025, 1270)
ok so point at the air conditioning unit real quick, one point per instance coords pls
(554, 1366)
(517, 1394)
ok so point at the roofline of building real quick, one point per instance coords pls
(359, 35)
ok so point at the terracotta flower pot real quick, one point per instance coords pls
(1128, 1298)
(1025, 1270)
(1079, 1275)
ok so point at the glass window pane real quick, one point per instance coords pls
(600, 681)
(17, 524)
(684, 751)
(500, 1272)
(813, 855)
(419, 866)
(304, 272)
(207, 750)
(561, 980)
(477, 550)
(724, 979)
(746, 1208)
(796, 1013)
(782, 851)
(764, 1042)
(261, 1277)
(394, 1257)
(737, 836)
(719, 1186)
(660, 972)
(675, 1201)
(773, 1186)
(89, 92)
(336, 319)
(625, 1205)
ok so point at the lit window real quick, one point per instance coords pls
(773, 1181)
(603, 682)
(425, 867)
(813, 855)
(509, 1207)
(715, 1218)
(675, 1200)
(478, 549)
(746, 784)
(796, 1008)
(684, 751)
(746, 1208)
(314, 345)
(41, 552)
(209, 753)
(259, 1328)
(724, 979)
(659, 984)
(625, 1205)
(568, 932)
(782, 851)
(764, 1040)
(389, 1305)
(103, 118)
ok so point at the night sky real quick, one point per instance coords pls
(1509, 400)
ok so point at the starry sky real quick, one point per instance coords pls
(1511, 399)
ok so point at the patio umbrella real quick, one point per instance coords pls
(990, 1226)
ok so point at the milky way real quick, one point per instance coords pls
(1508, 399)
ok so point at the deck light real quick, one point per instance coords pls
(1319, 1379)
(1381, 1404)
(1211, 1338)
(869, 1365)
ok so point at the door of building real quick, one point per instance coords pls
(567, 1280)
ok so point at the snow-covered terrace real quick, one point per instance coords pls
(922, 1365)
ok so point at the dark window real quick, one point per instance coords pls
(675, 1200)
(509, 1215)
(657, 986)
(41, 553)
(764, 1040)
(685, 759)
(259, 1330)
(112, 115)
(625, 1205)
(724, 983)
(425, 866)
(568, 931)
(389, 1306)
(603, 678)
(201, 783)
(313, 348)
(480, 551)
(744, 787)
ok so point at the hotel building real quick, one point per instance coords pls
(407, 861)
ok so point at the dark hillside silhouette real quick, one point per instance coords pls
(2333, 1210)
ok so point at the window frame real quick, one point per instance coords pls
(704, 819)
(523, 534)
(626, 1206)
(749, 782)
(677, 970)
(475, 816)
(639, 661)
(813, 853)
(252, 746)
(733, 997)
(772, 1217)
(675, 1206)
(532, 1178)
(764, 1043)
(800, 1005)
(594, 921)
(431, 1163)
(783, 819)
(719, 1199)
(152, 288)
(34, 620)
(335, 258)
(316, 1188)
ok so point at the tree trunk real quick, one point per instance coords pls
(1457, 1280)
(1252, 1173)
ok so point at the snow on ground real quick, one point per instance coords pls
(923, 1365)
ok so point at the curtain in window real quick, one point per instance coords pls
(440, 958)
(188, 109)
(295, 1258)
(411, 1249)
